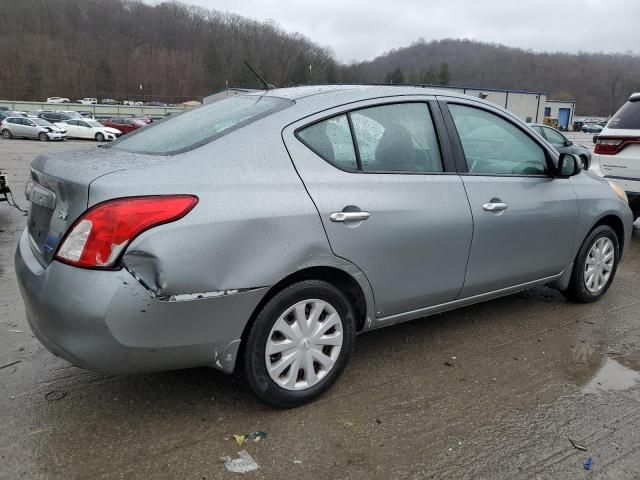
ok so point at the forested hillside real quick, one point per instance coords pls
(108, 48)
(98, 48)
(599, 82)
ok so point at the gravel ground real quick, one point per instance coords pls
(495, 390)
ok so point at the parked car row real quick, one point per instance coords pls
(60, 125)
(106, 101)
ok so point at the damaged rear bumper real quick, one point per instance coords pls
(108, 322)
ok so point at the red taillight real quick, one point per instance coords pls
(613, 145)
(101, 234)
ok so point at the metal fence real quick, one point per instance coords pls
(98, 111)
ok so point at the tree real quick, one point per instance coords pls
(33, 77)
(444, 76)
(428, 76)
(104, 77)
(395, 77)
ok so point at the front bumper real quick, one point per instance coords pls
(107, 321)
(56, 136)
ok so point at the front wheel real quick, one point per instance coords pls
(43, 137)
(99, 137)
(595, 265)
(585, 162)
(300, 343)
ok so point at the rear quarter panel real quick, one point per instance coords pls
(254, 223)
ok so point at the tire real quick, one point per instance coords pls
(584, 162)
(6, 133)
(99, 137)
(579, 290)
(43, 137)
(303, 298)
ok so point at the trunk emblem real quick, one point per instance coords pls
(62, 215)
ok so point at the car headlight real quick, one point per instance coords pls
(619, 191)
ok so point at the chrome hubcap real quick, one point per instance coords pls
(304, 344)
(599, 264)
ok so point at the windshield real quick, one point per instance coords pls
(627, 118)
(199, 126)
(94, 124)
(41, 122)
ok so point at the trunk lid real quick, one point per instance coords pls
(58, 192)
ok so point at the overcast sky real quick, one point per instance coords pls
(363, 29)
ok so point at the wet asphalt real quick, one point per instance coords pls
(496, 390)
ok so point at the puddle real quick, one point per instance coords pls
(612, 377)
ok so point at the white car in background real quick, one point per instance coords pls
(31, 127)
(90, 129)
(58, 100)
(617, 152)
(88, 101)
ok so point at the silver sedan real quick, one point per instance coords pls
(277, 225)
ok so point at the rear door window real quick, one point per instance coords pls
(200, 126)
(331, 140)
(397, 138)
(394, 138)
(627, 118)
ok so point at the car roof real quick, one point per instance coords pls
(315, 98)
(298, 93)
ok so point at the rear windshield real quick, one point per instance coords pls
(628, 117)
(199, 126)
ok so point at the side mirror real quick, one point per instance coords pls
(568, 165)
(568, 143)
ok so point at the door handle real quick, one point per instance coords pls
(495, 206)
(349, 216)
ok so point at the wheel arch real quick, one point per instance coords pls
(616, 224)
(341, 279)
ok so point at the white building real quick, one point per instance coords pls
(531, 107)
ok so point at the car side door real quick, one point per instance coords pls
(84, 129)
(383, 181)
(525, 217)
(31, 130)
(16, 127)
(73, 130)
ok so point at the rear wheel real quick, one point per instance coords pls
(43, 137)
(6, 133)
(595, 265)
(99, 137)
(300, 343)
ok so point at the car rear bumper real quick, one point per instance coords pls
(107, 321)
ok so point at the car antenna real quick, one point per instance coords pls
(267, 86)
